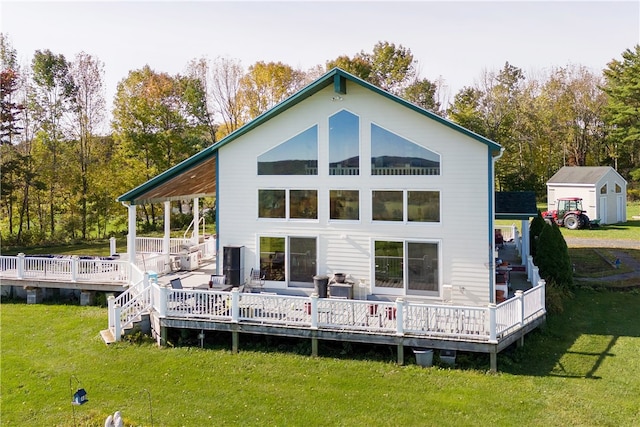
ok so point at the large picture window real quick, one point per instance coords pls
(344, 144)
(423, 206)
(302, 204)
(289, 259)
(392, 154)
(417, 206)
(272, 204)
(344, 204)
(410, 266)
(297, 156)
(387, 206)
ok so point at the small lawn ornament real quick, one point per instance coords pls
(80, 397)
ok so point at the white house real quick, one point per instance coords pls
(345, 177)
(342, 177)
(602, 189)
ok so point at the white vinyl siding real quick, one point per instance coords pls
(345, 246)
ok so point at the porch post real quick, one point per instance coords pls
(525, 241)
(131, 237)
(196, 220)
(166, 241)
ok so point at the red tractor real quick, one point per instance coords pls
(569, 214)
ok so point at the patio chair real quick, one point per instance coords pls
(218, 279)
(256, 279)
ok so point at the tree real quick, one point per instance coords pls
(622, 112)
(157, 122)
(267, 84)
(88, 114)
(53, 93)
(221, 84)
(391, 68)
(197, 89)
(422, 93)
(535, 228)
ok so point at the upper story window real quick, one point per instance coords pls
(296, 156)
(301, 204)
(344, 204)
(393, 155)
(387, 205)
(419, 206)
(344, 144)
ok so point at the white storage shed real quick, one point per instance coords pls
(602, 189)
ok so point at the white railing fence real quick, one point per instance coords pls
(58, 268)
(127, 307)
(400, 317)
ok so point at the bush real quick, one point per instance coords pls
(552, 257)
(537, 224)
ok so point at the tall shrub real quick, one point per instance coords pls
(537, 224)
(554, 265)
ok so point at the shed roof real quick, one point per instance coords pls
(580, 174)
(516, 205)
(172, 184)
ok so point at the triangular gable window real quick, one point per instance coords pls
(296, 156)
(393, 155)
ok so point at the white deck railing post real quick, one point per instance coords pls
(112, 246)
(117, 327)
(314, 311)
(520, 307)
(399, 316)
(530, 268)
(111, 304)
(543, 284)
(492, 324)
(74, 268)
(163, 293)
(20, 265)
(235, 305)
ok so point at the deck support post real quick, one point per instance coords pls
(163, 336)
(235, 340)
(493, 361)
(314, 346)
(400, 353)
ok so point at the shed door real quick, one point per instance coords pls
(602, 208)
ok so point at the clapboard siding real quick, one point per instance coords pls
(347, 246)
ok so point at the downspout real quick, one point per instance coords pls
(492, 236)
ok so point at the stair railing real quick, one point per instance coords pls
(127, 307)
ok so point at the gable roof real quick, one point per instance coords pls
(582, 175)
(515, 205)
(336, 77)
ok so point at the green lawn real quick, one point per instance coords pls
(582, 369)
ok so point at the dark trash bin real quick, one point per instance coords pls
(320, 284)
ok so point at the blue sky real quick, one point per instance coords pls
(451, 40)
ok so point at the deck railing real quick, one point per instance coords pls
(154, 245)
(126, 308)
(400, 317)
(72, 269)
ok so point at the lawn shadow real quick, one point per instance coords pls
(576, 343)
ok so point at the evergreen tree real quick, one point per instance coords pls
(537, 224)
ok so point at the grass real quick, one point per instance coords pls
(581, 369)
